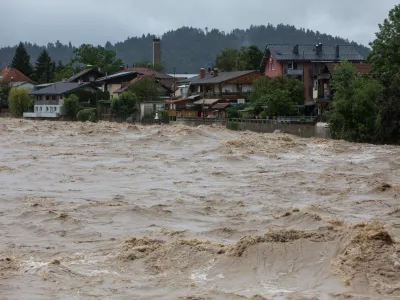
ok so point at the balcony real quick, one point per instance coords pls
(294, 72)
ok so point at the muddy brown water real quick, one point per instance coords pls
(116, 211)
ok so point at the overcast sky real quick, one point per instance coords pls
(98, 21)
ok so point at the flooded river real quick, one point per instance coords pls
(117, 211)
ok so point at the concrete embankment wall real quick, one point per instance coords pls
(197, 122)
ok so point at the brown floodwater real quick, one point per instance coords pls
(118, 211)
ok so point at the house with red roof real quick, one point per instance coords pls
(15, 78)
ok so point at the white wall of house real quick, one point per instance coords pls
(247, 87)
(230, 88)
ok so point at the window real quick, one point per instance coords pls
(273, 66)
(61, 96)
(53, 97)
(47, 108)
(47, 97)
(55, 109)
(51, 109)
(292, 66)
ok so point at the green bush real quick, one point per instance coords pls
(71, 106)
(19, 101)
(303, 119)
(84, 104)
(164, 114)
(263, 115)
(89, 114)
(233, 125)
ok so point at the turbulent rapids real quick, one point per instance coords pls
(118, 211)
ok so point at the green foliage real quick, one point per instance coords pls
(89, 114)
(263, 115)
(233, 125)
(233, 112)
(19, 101)
(227, 60)
(4, 92)
(250, 58)
(390, 113)
(355, 112)
(164, 114)
(231, 59)
(385, 61)
(385, 55)
(125, 105)
(64, 72)
(145, 90)
(22, 60)
(44, 68)
(148, 64)
(188, 48)
(71, 106)
(97, 56)
(278, 96)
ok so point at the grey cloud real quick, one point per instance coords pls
(98, 21)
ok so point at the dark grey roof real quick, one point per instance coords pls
(221, 77)
(116, 75)
(82, 73)
(59, 88)
(284, 52)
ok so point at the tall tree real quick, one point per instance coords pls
(45, 68)
(98, 56)
(355, 112)
(22, 60)
(227, 60)
(385, 61)
(145, 90)
(385, 54)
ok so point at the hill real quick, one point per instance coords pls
(189, 49)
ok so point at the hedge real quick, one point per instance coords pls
(89, 114)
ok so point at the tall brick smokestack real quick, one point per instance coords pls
(156, 52)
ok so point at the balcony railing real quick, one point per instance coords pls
(294, 72)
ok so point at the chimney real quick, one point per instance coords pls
(337, 51)
(202, 73)
(318, 49)
(296, 49)
(156, 52)
(215, 72)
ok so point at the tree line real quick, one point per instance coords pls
(188, 49)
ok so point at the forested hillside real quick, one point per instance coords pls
(189, 49)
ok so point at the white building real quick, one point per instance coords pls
(49, 101)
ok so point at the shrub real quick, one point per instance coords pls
(164, 114)
(19, 101)
(71, 106)
(263, 115)
(89, 114)
(125, 105)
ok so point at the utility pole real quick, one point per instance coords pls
(174, 82)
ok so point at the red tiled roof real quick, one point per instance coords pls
(362, 68)
(12, 74)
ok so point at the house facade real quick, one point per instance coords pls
(49, 101)
(90, 74)
(308, 63)
(227, 86)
